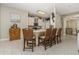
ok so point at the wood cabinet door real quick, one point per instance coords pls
(14, 34)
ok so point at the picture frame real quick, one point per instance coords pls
(14, 17)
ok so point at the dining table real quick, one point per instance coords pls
(36, 33)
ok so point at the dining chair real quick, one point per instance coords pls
(41, 37)
(53, 35)
(29, 39)
(58, 35)
(46, 39)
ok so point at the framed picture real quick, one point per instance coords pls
(15, 17)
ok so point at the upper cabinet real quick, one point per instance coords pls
(30, 21)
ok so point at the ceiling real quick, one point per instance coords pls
(32, 8)
(67, 8)
(60, 8)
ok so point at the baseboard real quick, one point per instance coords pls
(4, 39)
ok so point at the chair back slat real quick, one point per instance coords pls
(47, 34)
(59, 31)
(54, 32)
(28, 34)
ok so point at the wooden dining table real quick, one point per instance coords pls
(37, 32)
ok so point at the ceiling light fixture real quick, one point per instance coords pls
(41, 12)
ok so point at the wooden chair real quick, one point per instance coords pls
(46, 39)
(53, 35)
(41, 37)
(58, 35)
(28, 37)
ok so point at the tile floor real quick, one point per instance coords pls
(67, 47)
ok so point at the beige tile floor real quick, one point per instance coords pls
(67, 47)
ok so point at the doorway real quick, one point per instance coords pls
(71, 27)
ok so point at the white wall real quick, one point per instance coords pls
(58, 21)
(51, 21)
(0, 21)
(72, 24)
(77, 24)
(68, 18)
(5, 20)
